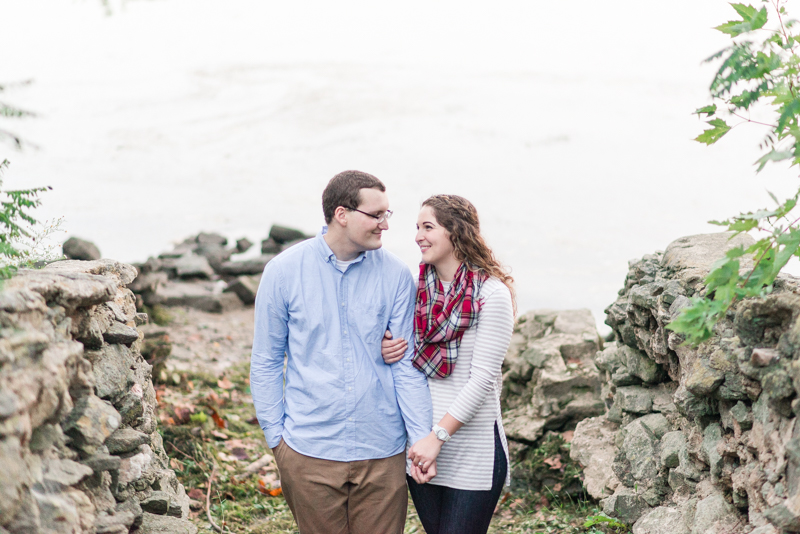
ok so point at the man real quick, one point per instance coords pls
(338, 427)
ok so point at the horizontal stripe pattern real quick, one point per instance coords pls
(471, 394)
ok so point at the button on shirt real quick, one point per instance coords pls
(340, 400)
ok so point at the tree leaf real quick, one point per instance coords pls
(709, 110)
(772, 155)
(714, 134)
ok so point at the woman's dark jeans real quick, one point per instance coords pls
(444, 510)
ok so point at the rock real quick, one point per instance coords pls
(102, 462)
(639, 448)
(703, 379)
(119, 522)
(673, 444)
(282, 234)
(120, 333)
(640, 365)
(243, 245)
(634, 399)
(9, 403)
(80, 249)
(162, 503)
(112, 369)
(133, 467)
(65, 472)
(198, 296)
(164, 524)
(626, 506)
(90, 423)
(148, 282)
(205, 239)
(270, 246)
(693, 406)
(710, 510)
(661, 520)
(126, 440)
(132, 506)
(699, 252)
(593, 447)
(763, 357)
(742, 415)
(711, 436)
(68, 511)
(245, 287)
(193, 266)
(655, 423)
(251, 266)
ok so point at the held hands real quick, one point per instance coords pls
(423, 457)
(392, 350)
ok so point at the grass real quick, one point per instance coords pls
(209, 421)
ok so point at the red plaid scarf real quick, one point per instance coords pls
(440, 319)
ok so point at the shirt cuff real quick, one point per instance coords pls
(273, 436)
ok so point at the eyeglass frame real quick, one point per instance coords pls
(380, 218)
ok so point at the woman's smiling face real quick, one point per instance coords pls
(432, 238)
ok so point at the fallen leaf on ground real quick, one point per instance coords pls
(218, 434)
(557, 487)
(176, 464)
(221, 423)
(225, 384)
(196, 494)
(554, 461)
(568, 435)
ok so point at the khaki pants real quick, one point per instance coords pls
(328, 497)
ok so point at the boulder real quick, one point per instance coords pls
(593, 447)
(283, 234)
(243, 245)
(197, 296)
(90, 423)
(625, 505)
(661, 520)
(270, 246)
(709, 511)
(192, 266)
(245, 287)
(251, 266)
(79, 249)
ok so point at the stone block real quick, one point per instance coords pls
(91, 421)
(672, 445)
(112, 370)
(625, 506)
(65, 472)
(639, 448)
(243, 245)
(193, 266)
(250, 266)
(703, 379)
(661, 520)
(283, 234)
(593, 447)
(245, 287)
(102, 462)
(161, 503)
(710, 510)
(126, 440)
(120, 333)
(712, 435)
(634, 399)
(198, 296)
(164, 524)
(75, 248)
(641, 366)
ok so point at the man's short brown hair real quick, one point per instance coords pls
(344, 189)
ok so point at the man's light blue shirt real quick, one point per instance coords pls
(340, 400)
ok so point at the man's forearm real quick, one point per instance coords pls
(414, 399)
(266, 387)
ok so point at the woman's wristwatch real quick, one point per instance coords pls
(441, 433)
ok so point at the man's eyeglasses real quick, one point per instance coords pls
(380, 218)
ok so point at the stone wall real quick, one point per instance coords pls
(697, 440)
(79, 450)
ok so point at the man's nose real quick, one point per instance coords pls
(384, 225)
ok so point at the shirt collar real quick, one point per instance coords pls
(326, 252)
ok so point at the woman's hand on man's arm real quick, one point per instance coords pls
(392, 350)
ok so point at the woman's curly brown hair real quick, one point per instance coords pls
(460, 218)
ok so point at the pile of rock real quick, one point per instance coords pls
(550, 383)
(79, 449)
(200, 272)
(701, 439)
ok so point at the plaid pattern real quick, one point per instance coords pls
(440, 319)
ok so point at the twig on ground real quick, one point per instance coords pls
(208, 499)
(255, 467)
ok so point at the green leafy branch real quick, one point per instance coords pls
(22, 236)
(753, 71)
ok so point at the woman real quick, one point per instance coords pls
(464, 317)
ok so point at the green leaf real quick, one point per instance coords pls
(709, 110)
(744, 11)
(772, 155)
(714, 134)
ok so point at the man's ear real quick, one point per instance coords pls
(340, 215)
